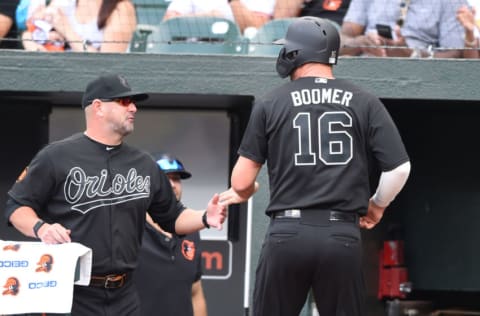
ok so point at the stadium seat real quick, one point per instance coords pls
(197, 35)
(150, 12)
(138, 44)
(261, 43)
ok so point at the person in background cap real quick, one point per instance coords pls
(168, 276)
(94, 189)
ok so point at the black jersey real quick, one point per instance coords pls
(167, 269)
(102, 194)
(316, 136)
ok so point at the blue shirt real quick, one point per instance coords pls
(427, 22)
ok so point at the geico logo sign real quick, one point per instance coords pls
(39, 285)
(13, 263)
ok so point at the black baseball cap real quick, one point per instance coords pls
(109, 87)
(170, 164)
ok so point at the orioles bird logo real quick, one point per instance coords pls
(12, 286)
(123, 81)
(13, 247)
(332, 5)
(188, 249)
(45, 263)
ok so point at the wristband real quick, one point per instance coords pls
(204, 220)
(37, 226)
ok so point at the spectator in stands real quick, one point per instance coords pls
(334, 10)
(8, 28)
(246, 13)
(80, 25)
(21, 14)
(421, 28)
(466, 16)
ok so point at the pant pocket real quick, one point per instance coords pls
(345, 239)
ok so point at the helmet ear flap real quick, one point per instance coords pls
(284, 65)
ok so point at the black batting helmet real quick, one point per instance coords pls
(308, 39)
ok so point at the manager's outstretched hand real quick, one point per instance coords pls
(216, 212)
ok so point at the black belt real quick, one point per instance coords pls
(332, 216)
(111, 281)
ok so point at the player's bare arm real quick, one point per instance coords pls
(230, 196)
(389, 185)
(243, 179)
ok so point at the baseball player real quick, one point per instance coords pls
(169, 266)
(318, 135)
(94, 189)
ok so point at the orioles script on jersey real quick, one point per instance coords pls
(321, 95)
(97, 191)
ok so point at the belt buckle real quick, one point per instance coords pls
(111, 279)
(294, 213)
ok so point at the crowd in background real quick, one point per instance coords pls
(400, 28)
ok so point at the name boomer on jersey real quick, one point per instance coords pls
(321, 95)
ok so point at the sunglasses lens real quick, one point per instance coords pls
(125, 101)
(169, 165)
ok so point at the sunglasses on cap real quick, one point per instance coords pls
(125, 101)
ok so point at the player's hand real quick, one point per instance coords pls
(54, 234)
(373, 217)
(232, 197)
(216, 212)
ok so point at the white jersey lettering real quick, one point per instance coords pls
(95, 188)
(320, 96)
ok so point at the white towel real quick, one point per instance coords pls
(39, 278)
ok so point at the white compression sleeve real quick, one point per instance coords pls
(390, 184)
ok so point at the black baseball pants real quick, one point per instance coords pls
(298, 255)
